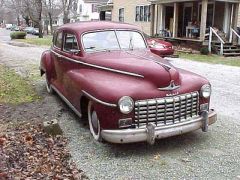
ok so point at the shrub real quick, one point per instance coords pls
(18, 35)
(204, 50)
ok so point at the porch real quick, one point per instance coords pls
(192, 20)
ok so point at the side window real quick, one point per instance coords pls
(70, 42)
(58, 40)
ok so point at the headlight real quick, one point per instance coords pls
(206, 91)
(126, 104)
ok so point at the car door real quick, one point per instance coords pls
(70, 53)
(57, 58)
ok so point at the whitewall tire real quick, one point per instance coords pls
(48, 86)
(94, 124)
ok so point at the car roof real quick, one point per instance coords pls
(84, 26)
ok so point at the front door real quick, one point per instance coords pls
(57, 59)
(70, 54)
(187, 16)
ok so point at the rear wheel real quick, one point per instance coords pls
(48, 86)
(94, 124)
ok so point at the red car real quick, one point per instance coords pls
(105, 72)
(160, 47)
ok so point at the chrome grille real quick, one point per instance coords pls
(169, 110)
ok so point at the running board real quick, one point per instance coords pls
(66, 101)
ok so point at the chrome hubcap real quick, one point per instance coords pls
(94, 121)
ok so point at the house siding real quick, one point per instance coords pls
(129, 13)
(238, 23)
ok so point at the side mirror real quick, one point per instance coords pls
(75, 51)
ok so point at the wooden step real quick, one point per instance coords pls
(231, 50)
(218, 43)
(225, 46)
(231, 54)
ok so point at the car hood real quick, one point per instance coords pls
(158, 41)
(144, 63)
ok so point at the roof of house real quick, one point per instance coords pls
(96, 1)
(84, 26)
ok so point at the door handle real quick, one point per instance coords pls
(58, 55)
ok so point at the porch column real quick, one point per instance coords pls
(152, 19)
(226, 20)
(203, 19)
(160, 18)
(155, 19)
(235, 18)
(175, 19)
(235, 21)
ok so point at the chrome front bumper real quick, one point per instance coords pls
(151, 132)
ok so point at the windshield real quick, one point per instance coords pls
(113, 40)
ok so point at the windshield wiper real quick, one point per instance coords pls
(97, 49)
(130, 44)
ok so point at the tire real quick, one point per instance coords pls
(48, 86)
(94, 124)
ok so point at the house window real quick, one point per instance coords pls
(70, 42)
(58, 40)
(121, 15)
(94, 8)
(75, 6)
(143, 13)
(80, 8)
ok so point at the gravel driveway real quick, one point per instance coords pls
(196, 155)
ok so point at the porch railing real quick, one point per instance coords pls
(212, 31)
(232, 31)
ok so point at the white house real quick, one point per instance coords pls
(82, 10)
(87, 10)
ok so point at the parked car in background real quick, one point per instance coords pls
(8, 26)
(107, 74)
(159, 47)
(15, 28)
(28, 30)
(35, 31)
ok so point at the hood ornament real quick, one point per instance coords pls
(172, 86)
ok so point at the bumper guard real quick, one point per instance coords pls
(152, 132)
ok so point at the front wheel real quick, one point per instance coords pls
(94, 124)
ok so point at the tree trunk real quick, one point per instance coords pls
(65, 18)
(18, 21)
(50, 22)
(39, 19)
(40, 30)
(26, 18)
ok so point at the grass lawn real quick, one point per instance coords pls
(46, 41)
(214, 59)
(14, 89)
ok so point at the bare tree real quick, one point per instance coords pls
(14, 6)
(34, 10)
(1, 3)
(18, 7)
(49, 7)
(66, 7)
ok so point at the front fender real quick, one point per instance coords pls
(107, 87)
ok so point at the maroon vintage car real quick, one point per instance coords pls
(105, 72)
(159, 47)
